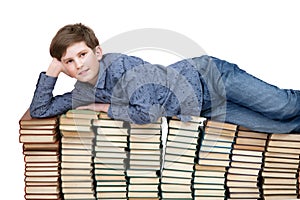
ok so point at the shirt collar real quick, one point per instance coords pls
(101, 77)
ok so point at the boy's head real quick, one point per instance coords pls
(70, 34)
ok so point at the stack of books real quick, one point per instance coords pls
(111, 149)
(179, 159)
(77, 154)
(213, 160)
(41, 148)
(245, 167)
(281, 165)
(145, 160)
(85, 155)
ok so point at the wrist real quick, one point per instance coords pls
(106, 107)
(52, 71)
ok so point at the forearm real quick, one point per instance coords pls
(44, 104)
(55, 68)
(134, 114)
(53, 72)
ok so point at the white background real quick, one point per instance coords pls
(262, 37)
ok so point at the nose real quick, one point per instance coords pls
(78, 63)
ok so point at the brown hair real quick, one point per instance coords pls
(70, 34)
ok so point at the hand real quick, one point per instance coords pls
(55, 68)
(98, 107)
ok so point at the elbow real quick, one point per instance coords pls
(147, 116)
(34, 113)
(144, 117)
(38, 113)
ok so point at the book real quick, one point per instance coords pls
(277, 143)
(182, 133)
(78, 134)
(208, 180)
(199, 167)
(38, 130)
(241, 177)
(285, 137)
(252, 134)
(246, 158)
(108, 123)
(279, 181)
(64, 120)
(180, 158)
(212, 155)
(41, 146)
(41, 149)
(171, 187)
(27, 120)
(249, 147)
(220, 131)
(111, 149)
(81, 114)
(221, 125)
(184, 125)
(38, 138)
(112, 131)
(244, 171)
(41, 158)
(144, 138)
(79, 128)
(250, 165)
(87, 155)
(77, 138)
(182, 139)
(177, 174)
(278, 174)
(210, 192)
(144, 146)
(279, 197)
(176, 195)
(250, 141)
(210, 162)
(242, 184)
(142, 173)
(42, 190)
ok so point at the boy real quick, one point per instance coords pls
(128, 88)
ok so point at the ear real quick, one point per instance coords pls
(98, 52)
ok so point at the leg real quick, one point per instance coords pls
(227, 81)
(237, 114)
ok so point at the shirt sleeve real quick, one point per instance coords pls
(136, 111)
(140, 99)
(147, 92)
(44, 104)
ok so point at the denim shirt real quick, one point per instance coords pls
(139, 92)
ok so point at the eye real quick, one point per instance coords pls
(83, 54)
(69, 61)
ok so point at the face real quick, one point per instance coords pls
(82, 63)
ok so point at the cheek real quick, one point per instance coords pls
(91, 62)
(71, 71)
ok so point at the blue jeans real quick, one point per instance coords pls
(232, 95)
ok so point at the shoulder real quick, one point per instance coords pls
(118, 62)
(112, 58)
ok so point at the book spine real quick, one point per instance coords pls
(59, 136)
(94, 129)
(196, 161)
(260, 176)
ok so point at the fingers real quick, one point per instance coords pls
(88, 107)
(83, 108)
(99, 107)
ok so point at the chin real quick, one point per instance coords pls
(85, 80)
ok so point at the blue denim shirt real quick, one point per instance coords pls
(139, 92)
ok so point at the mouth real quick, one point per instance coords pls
(83, 72)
